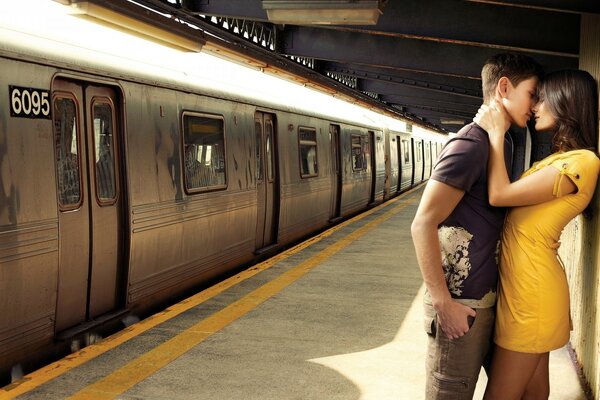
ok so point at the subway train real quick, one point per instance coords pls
(132, 176)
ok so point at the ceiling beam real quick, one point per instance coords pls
(386, 88)
(434, 57)
(470, 87)
(573, 6)
(441, 101)
(484, 24)
(447, 109)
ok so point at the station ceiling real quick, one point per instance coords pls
(418, 58)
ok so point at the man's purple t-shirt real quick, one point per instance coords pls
(470, 236)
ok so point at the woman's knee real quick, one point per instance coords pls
(538, 387)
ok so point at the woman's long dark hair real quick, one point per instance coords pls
(572, 97)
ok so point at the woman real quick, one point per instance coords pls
(533, 296)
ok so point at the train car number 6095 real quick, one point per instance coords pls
(29, 102)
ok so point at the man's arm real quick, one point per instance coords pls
(437, 202)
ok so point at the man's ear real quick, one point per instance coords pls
(502, 88)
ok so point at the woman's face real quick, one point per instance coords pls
(544, 119)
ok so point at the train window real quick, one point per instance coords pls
(405, 149)
(259, 151)
(204, 150)
(307, 139)
(419, 151)
(366, 151)
(106, 188)
(360, 147)
(67, 153)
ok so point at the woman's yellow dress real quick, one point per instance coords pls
(533, 313)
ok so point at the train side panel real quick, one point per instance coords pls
(28, 213)
(180, 233)
(306, 191)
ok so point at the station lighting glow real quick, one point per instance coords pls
(51, 28)
(107, 16)
(384, 371)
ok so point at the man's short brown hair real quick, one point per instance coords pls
(516, 67)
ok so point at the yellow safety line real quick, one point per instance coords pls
(137, 370)
(60, 367)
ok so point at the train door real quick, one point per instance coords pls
(266, 181)
(421, 157)
(418, 164)
(414, 164)
(373, 166)
(393, 165)
(87, 137)
(401, 162)
(406, 164)
(336, 175)
(427, 160)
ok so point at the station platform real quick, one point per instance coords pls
(336, 317)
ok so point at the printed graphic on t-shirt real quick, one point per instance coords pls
(469, 236)
(454, 244)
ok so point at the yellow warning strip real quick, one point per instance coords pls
(137, 370)
(60, 367)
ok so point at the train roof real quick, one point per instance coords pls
(48, 34)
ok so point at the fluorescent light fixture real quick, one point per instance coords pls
(324, 12)
(165, 34)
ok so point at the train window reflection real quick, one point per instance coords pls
(405, 149)
(259, 146)
(307, 140)
(106, 188)
(204, 152)
(359, 149)
(270, 151)
(67, 153)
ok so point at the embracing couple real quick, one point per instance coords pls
(498, 295)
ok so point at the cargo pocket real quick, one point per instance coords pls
(448, 384)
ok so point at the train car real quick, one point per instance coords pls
(130, 179)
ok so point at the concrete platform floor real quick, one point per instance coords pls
(338, 317)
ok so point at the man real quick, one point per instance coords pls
(454, 219)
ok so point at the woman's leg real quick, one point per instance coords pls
(538, 387)
(511, 373)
